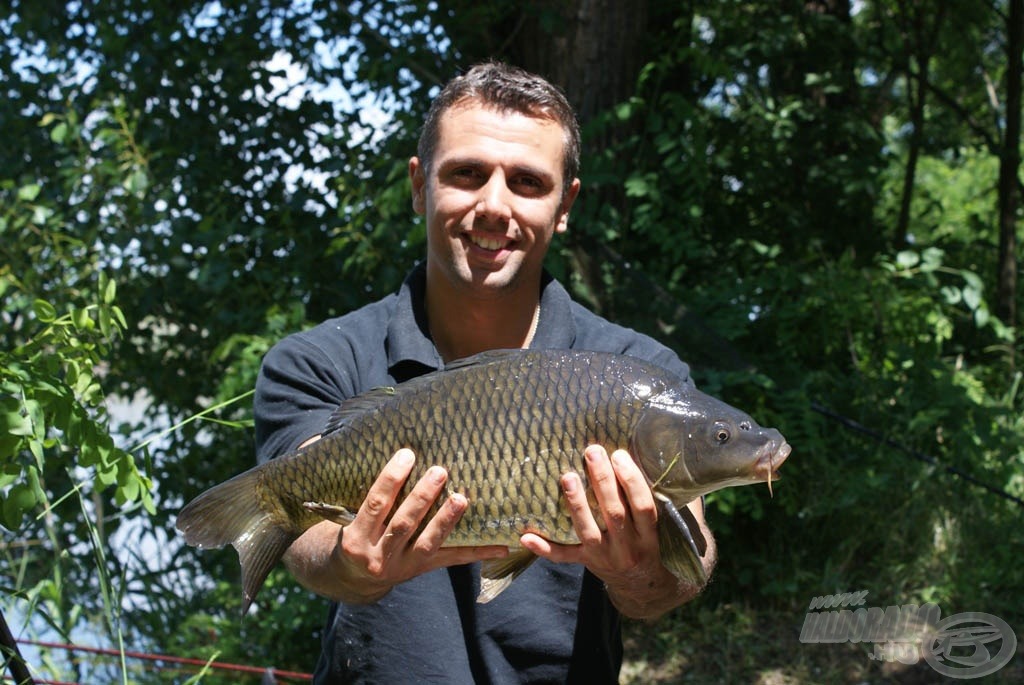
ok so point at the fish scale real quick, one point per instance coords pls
(506, 425)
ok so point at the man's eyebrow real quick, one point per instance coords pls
(461, 161)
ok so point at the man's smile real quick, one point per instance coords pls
(489, 242)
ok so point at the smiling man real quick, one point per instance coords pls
(495, 177)
(493, 196)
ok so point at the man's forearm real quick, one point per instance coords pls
(314, 561)
(659, 592)
(651, 596)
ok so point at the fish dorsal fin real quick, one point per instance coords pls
(498, 574)
(358, 405)
(681, 541)
(372, 400)
(483, 358)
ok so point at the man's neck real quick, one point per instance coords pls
(462, 326)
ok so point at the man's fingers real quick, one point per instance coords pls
(639, 497)
(606, 488)
(380, 499)
(560, 554)
(587, 529)
(409, 514)
(441, 525)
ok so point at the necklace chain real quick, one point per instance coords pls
(533, 327)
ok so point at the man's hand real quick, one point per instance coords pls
(378, 550)
(624, 552)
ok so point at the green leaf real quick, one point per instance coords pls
(907, 259)
(29, 193)
(104, 316)
(950, 294)
(81, 320)
(972, 298)
(15, 423)
(45, 311)
(973, 280)
(129, 489)
(106, 475)
(637, 186)
(108, 287)
(932, 259)
(20, 499)
(59, 132)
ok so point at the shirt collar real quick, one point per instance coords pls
(556, 328)
(408, 341)
(411, 351)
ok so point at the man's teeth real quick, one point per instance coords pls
(487, 243)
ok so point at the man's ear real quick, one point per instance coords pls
(419, 185)
(563, 213)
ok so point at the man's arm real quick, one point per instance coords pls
(626, 554)
(361, 562)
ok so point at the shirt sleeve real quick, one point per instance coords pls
(600, 335)
(649, 349)
(298, 388)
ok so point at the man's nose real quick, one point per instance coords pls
(493, 203)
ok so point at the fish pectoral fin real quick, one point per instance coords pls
(682, 542)
(498, 574)
(331, 512)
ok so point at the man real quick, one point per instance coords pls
(494, 178)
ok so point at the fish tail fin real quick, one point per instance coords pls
(230, 513)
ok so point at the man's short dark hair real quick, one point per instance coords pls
(507, 89)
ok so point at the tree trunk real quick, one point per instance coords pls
(1009, 166)
(919, 40)
(595, 62)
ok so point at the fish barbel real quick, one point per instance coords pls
(506, 425)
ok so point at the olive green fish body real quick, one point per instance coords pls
(505, 432)
(506, 425)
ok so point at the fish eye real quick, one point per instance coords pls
(722, 435)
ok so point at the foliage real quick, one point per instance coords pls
(49, 396)
(56, 448)
(195, 180)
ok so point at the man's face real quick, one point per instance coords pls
(492, 198)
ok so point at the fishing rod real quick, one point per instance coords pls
(920, 456)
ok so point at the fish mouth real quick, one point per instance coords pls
(769, 459)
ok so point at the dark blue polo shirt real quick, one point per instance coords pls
(555, 623)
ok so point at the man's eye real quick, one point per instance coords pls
(529, 183)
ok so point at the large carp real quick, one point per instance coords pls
(505, 424)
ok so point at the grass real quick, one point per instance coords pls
(733, 643)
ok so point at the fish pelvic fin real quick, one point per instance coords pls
(331, 512)
(682, 542)
(498, 574)
(229, 513)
